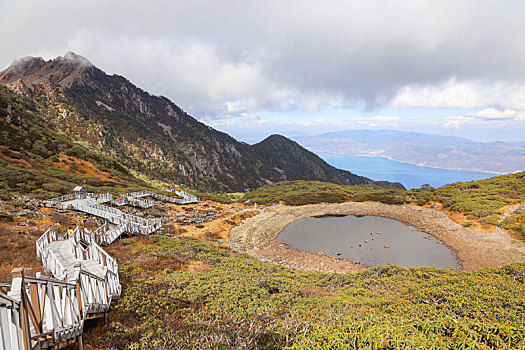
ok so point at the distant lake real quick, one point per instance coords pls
(411, 176)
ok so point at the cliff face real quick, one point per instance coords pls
(153, 135)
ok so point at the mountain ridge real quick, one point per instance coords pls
(151, 134)
(445, 152)
(279, 145)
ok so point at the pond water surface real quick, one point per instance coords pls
(369, 241)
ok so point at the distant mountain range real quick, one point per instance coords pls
(150, 134)
(422, 149)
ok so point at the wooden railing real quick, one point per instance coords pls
(104, 208)
(130, 223)
(113, 233)
(104, 197)
(10, 326)
(53, 265)
(49, 310)
(63, 198)
(97, 210)
(44, 312)
(41, 312)
(95, 296)
(139, 202)
(107, 234)
(187, 198)
(132, 198)
(49, 236)
(94, 252)
(81, 234)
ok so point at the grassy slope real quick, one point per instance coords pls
(37, 161)
(232, 301)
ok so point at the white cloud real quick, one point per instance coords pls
(484, 115)
(498, 114)
(304, 123)
(462, 94)
(456, 122)
(292, 55)
(378, 121)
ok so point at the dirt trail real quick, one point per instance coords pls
(257, 236)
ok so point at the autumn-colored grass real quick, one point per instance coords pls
(81, 167)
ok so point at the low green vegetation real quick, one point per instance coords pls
(482, 200)
(313, 192)
(240, 302)
(484, 197)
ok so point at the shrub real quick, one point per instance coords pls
(77, 151)
(54, 187)
(491, 220)
(15, 203)
(421, 202)
(240, 302)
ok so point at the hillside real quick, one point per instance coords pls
(422, 149)
(151, 134)
(291, 159)
(39, 161)
(184, 287)
(182, 293)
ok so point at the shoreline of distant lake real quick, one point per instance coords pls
(381, 168)
(493, 173)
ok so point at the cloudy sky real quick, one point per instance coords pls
(252, 68)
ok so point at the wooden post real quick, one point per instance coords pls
(106, 286)
(78, 267)
(18, 275)
(35, 303)
(80, 342)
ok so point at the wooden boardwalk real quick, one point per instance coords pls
(39, 312)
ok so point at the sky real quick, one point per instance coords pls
(255, 68)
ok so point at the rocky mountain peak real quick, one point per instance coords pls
(74, 59)
(22, 64)
(62, 71)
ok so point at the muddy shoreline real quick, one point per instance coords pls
(257, 236)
